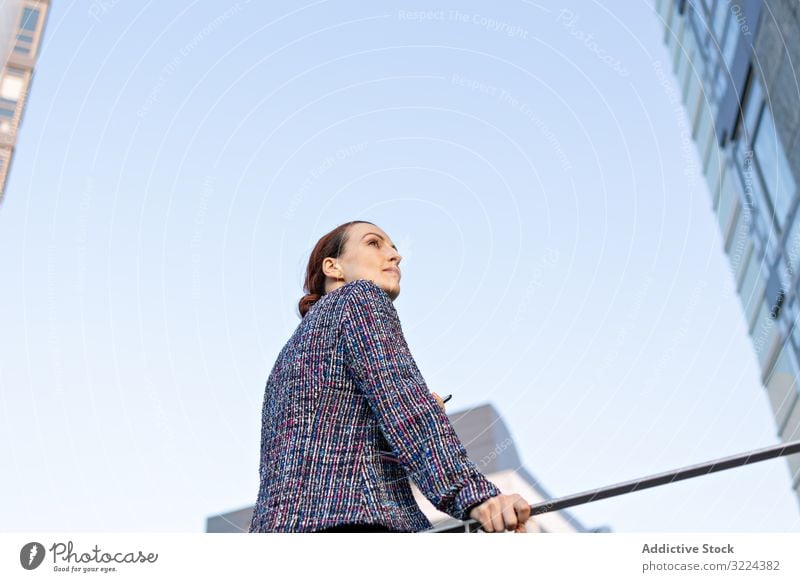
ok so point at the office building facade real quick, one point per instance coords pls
(736, 63)
(21, 28)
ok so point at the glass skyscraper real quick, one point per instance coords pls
(737, 64)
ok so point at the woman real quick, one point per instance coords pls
(348, 418)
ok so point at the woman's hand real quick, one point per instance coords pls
(501, 513)
(439, 400)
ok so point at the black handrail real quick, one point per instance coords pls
(738, 460)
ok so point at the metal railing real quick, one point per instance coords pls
(665, 478)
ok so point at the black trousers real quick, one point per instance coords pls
(357, 527)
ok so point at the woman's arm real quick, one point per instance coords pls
(412, 422)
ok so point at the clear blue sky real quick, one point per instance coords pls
(177, 163)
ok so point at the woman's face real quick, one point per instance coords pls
(368, 254)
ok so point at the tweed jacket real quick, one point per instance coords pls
(347, 419)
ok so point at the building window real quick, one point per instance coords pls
(720, 19)
(729, 46)
(765, 337)
(754, 100)
(720, 82)
(782, 384)
(697, 17)
(704, 130)
(11, 88)
(30, 18)
(774, 168)
(792, 246)
(737, 244)
(796, 330)
(753, 285)
(713, 170)
(728, 204)
(684, 51)
(676, 38)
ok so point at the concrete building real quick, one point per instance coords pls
(489, 445)
(736, 64)
(21, 27)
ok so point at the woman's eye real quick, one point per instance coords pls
(373, 241)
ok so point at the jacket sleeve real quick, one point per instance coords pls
(417, 429)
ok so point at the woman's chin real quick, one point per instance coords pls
(392, 289)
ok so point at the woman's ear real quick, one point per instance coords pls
(330, 267)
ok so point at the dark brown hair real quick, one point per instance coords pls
(330, 245)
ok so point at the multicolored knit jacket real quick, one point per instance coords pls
(348, 419)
